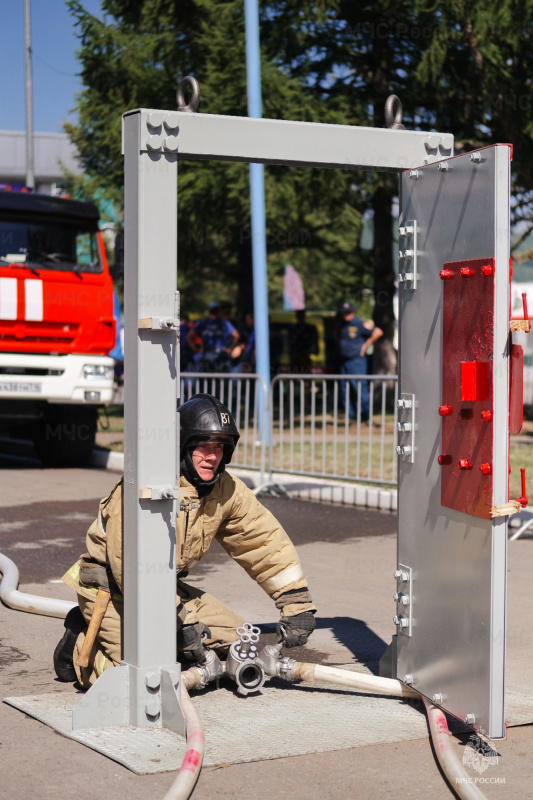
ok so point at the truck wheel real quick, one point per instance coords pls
(65, 436)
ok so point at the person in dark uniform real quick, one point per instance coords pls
(353, 338)
(303, 343)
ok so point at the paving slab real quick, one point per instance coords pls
(349, 555)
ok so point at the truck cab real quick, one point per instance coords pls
(56, 324)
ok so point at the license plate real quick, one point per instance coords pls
(17, 387)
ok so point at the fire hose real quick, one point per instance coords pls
(32, 603)
(249, 669)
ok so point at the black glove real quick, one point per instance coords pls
(190, 644)
(295, 631)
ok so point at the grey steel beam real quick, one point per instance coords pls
(149, 674)
(210, 137)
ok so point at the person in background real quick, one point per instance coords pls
(237, 349)
(302, 339)
(354, 337)
(186, 354)
(248, 355)
(117, 353)
(218, 338)
(277, 346)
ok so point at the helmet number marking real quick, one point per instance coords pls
(225, 418)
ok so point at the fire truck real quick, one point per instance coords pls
(56, 324)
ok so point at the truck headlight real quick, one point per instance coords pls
(98, 372)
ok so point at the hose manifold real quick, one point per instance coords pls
(243, 664)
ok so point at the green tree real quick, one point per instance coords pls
(463, 66)
(133, 58)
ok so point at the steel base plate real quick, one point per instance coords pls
(285, 720)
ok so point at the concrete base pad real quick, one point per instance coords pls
(284, 720)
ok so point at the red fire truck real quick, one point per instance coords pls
(56, 324)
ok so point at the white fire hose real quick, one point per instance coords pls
(32, 603)
(451, 766)
(189, 771)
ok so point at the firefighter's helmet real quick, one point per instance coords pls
(204, 418)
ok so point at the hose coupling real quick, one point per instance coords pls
(212, 669)
(276, 665)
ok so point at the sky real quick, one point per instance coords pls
(55, 67)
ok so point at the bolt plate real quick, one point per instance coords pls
(406, 426)
(405, 611)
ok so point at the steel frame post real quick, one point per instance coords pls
(144, 690)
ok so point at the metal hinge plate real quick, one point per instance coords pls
(407, 255)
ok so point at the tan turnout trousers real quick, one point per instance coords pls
(107, 649)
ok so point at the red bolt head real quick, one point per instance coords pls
(446, 274)
(468, 272)
(487, 270)
(486, 469)
(486, 416)
(464, 463)
(445, 410)
(444, 459)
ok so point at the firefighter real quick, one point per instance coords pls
(216, 505)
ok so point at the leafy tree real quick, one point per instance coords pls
(458, 65)
(463, 66)
(134, 58)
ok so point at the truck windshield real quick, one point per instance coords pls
(67, 246)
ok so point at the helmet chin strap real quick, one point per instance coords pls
(188, 469)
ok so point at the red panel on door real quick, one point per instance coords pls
(467, 350)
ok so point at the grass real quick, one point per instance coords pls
(342, 460)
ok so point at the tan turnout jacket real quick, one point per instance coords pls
(230, 513)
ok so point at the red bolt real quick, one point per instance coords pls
(486, 416)
(464, 463)
(487, 270)
(446, 274)
(468, 272)
(444, 459)
(445, 410)
(486, 469)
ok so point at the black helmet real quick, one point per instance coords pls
(204, 417)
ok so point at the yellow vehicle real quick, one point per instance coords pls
(279, 322)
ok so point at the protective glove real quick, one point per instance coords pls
(295, 631)
(190, 642)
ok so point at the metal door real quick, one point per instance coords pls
(453, 433)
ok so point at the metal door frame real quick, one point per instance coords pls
(144, 690)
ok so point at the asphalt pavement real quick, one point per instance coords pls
(348, 555)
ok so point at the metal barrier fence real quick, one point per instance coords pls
(335, 426)
(318, 423)
(245, 394)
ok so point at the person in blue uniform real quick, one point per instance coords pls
(354, 337)
(218, 337)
